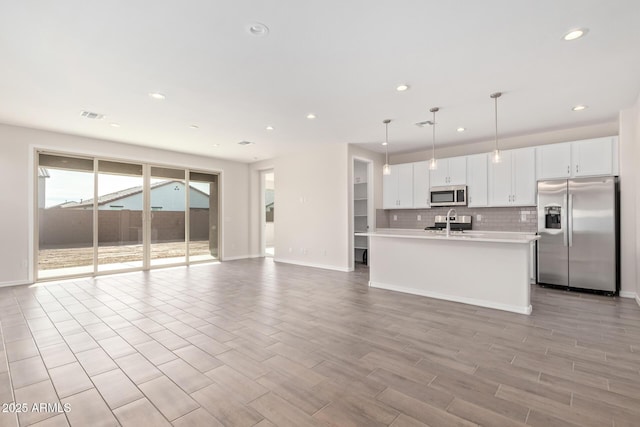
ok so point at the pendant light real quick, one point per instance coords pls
(433, 164)
(496, 156)
(386, 169)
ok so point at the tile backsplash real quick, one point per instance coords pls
(524, 219)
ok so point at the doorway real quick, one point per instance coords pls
(362, 210)
(268, 212)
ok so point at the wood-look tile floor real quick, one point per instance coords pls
(254, 342)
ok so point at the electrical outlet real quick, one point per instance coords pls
(419, 217)
(25, 263)
(478, 217)
(290, 250)
(395, 217)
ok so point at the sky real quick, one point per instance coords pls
(66, 186)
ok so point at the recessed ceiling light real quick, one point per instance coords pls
(216, 145)
(114, 125)
(402, 88)
(580, 107)
(157, 95)
(258, 29)
(311, 116)
(575, 34)
(461, 129)
(194, 126)
(385, 143)
(269, 128)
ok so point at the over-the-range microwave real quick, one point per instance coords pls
(450, 195)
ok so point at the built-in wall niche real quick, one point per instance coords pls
(361, 217)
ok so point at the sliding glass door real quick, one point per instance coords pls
(65, 216)
(168, 201)
(203, 216)
(120, 206)
(96, 216)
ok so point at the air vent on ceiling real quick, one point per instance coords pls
(425, 123)
(246, 142)
(92, 115)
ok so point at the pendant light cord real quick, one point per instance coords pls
(496, 111)
(433, 139)
(495, 97)
(386, 145)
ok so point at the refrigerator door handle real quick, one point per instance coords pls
(570, 219)
(564, 211)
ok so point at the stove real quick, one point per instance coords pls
(456, 223)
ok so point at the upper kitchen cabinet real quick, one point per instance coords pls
(512, 182)
(397, 187)
(421, 185)
(450, 171)
(590, 157)
(477, 180)
(553, 161)
(593, 156)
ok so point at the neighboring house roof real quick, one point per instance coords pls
(111, 197)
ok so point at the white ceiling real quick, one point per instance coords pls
(338, 59)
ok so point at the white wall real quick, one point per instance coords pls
(311, 221)
(630, 159)
(628, 143)
(16, 169)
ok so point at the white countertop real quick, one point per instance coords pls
(466, 236)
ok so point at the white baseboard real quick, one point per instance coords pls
(472, 301)
(237, 257)
(627, 294)
(312, 264)
(14, 283)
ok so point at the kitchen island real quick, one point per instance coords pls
(488, 269)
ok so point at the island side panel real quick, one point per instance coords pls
(487, 274)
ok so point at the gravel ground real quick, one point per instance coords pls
(50, 259)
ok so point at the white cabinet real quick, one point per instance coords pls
(592, 157)
(477, 180)
(421, 185)
(553, 161)
(589, 157)
(450, 171)
(512, 182)
(397, 188)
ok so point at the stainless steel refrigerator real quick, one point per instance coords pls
(579, 234)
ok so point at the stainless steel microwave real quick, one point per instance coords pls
(450, 195)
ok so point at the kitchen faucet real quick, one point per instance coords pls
(451, 212)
